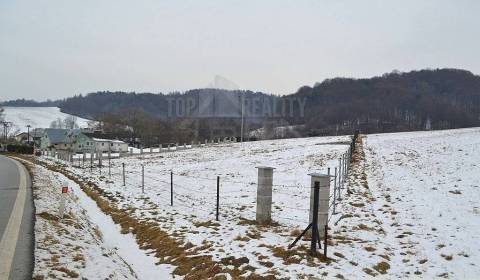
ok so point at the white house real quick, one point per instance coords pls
(114, 146)
(78, 141)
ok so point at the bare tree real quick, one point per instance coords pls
(70, 122)
(58, 123)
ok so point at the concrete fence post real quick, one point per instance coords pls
(131, 151)
(151, 150)
(323, 204)
(141, 151)
(264, 194)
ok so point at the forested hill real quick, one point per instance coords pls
(426, 99)
(30, 103)
(222, 102)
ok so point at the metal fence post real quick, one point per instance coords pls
(123, 169)
(143, 178)
(339, 178)
(313, 243)
(335, 192)
(325, 242)
(171, 188)
(218, 194)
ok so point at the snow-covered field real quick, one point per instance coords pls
(192, 218)
(411, 207)
(85, 243)
(37, 117)
(426, 187)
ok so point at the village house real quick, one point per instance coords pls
(78, 141)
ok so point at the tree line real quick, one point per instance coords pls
(416, 100)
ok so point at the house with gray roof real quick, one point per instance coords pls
(54, 138)
(78, 141)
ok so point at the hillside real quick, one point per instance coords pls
(37, 117)
(205, 103)
(417, 100)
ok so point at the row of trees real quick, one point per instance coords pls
(22, 102)
(137, 125)
(427, 99)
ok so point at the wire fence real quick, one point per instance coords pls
(211, 197)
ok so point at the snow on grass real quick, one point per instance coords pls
(37, 117)
(192, 218)
(410, 207)
(86, 243)
(429, 183)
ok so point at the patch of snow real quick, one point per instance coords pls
(37, 117)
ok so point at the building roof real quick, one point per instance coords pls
(57, 135)
(67, 136)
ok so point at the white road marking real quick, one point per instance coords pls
(9, 239)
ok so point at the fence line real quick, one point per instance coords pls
(142, 181)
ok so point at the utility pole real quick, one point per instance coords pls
(241, 126)
(6, 125)
(28, 134)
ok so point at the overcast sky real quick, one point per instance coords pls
(58, 48)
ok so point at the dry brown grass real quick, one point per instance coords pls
(68, 272)
(48, 216)
(447, 257)
(78, 258)
(207, 224)
(188, 260)
(369, 271)
(241, 238)
(382, 267)
(370, 249)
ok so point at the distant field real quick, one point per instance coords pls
(36, 116)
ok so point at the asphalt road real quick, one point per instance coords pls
(16, 221)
